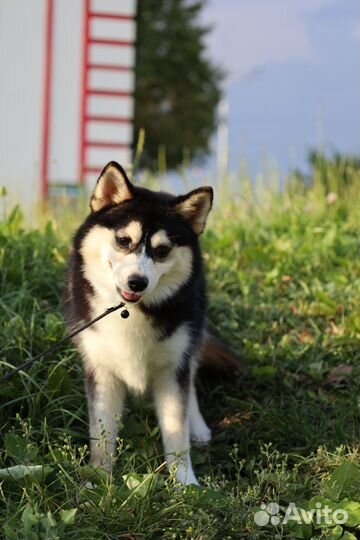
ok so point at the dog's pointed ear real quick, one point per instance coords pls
(112, 187)
(195, 207)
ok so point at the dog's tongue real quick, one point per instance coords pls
(130, 297)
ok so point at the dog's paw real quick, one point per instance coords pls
(186, 477)
(201, 435)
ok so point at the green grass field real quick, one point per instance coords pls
(284, 283)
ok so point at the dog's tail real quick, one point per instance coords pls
(217, 355)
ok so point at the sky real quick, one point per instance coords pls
(293, 77)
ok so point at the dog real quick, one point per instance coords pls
(141, 247)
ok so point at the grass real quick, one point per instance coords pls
(284, 276)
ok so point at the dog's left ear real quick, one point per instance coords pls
(195, 207)
(113, 187)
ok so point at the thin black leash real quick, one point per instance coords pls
(28, 363)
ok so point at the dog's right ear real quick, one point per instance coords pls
(112, 187)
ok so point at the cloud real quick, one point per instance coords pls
(250, 34)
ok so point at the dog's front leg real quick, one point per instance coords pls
(171, 402)
(105, 396)
(199, 431)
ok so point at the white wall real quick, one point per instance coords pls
(21, 95)
(66, 91)
(22, 78)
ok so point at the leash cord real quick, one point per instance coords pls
(28, 363)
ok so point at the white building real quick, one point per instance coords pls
(67, 79)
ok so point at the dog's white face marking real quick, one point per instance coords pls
(171, 274)
(133, 231)
(111, 257)
(160, 238)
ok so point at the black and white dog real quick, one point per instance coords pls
(141, 247)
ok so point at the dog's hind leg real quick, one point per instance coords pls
(199, 431)
(105, 396)
(171, 403)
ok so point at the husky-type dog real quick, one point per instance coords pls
(141, 247)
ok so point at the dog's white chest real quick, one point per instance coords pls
(131, 349)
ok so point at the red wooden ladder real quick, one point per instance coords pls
(87, 91)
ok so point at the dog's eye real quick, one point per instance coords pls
(161, 252)
(123, 241)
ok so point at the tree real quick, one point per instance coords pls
(177, 87)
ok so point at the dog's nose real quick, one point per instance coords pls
(137, 283)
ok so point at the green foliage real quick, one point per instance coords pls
(344, 481)
(177, 87)
(284, 281)
(38, 526)
(335, 174)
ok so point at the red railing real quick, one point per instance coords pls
(87, 91)
(47, 99)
